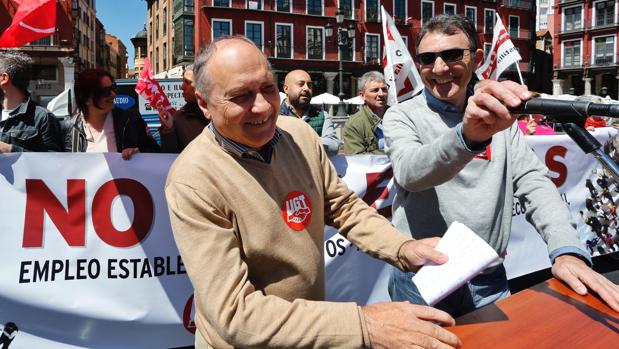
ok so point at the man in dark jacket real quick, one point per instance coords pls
(24, 126)
(363, 132)
(187, 123)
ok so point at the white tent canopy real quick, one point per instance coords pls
(357, 100)
(325, 98)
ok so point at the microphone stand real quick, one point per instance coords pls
(590, 145)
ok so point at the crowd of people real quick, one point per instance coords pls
(250, 195)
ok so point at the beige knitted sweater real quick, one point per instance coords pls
(251, 237)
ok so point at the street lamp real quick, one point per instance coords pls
(345, 38)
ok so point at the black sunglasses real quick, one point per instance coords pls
(107, 91)
(449, 56)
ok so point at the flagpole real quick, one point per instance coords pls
(519, 73)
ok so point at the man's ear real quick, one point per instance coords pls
(203, 105)
(479, 57)
(286, 89)
(4, 78)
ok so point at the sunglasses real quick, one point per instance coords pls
(107, 91)
(452, 55)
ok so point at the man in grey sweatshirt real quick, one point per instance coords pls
(459, 156)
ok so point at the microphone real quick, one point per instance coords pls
(563, 111)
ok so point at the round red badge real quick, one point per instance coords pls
(297, 210)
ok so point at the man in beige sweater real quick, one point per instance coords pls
(248, 201)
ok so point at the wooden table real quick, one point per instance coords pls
(548, 315)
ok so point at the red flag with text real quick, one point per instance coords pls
(34, 19)
(502, 54)
(400, 72)
(150, 89)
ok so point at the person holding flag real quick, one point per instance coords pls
(457, 155)
(101, 127)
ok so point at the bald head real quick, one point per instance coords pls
(298, 89)
(228, 46)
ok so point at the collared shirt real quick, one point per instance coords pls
(448, 109)
(240, 150)
(380, 136)
(6, 113)
(106, 142)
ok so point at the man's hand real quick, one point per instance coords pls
(578, 276)
(415, 253)
(127, 153)
(404, 325)
(166, 120)
(4, 148)
(486, 112)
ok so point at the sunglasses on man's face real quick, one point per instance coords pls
(107, 91)
(452, 55)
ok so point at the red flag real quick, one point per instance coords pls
(34, 19)
(150, 89)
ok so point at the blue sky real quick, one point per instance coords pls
(123, 19)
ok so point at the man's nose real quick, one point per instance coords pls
(439, 65)
(261, 104)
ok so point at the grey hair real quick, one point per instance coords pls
(188, 67)
(370, 76)
(202, 61)
(18, 66)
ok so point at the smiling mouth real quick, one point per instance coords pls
(258, 122)
(444, 81)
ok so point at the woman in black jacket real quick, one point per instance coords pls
(101, 127)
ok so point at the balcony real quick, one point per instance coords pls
(522, 34)
(601, 25)
(571, 66)
(519, 4)
(604, 61)
(572, 30)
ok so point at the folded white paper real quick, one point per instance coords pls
(468, 256)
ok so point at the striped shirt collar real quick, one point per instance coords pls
(242, 151)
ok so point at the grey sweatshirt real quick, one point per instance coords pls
(439, 181)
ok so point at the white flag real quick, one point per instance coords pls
(502, 54)
(400, 71)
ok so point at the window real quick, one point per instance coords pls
(314, 7)
(221, 27)
(449, 8)
(571, 53)
(157, 27)
(471, 13)
(157, 60)
(46, 73)
(427, 10)
(487, 48)
(489, 19)
(347, 7)
(221, 3)
(188, 6)
(253, 31)
(371, 11)
(254, 4)
(150, 25)
(165, 56)
(165, 20)
(188, 37)
(572, 18)
(46, 41)
(604, 13)
(283, 40)
(315, 43)
(399, 10)
(348, 52)
(514, 26)
(283, 5)
(372, 51)
(604, 50)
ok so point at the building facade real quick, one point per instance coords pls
(84, 33)
(118, 56)
(292, 32)
(585, 47)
